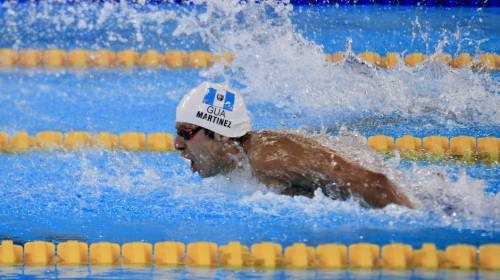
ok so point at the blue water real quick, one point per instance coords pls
(376, 28)
(199, 273)
(401, 29)
(147, 273)
(93, 196)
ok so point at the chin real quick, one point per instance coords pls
(207, 173)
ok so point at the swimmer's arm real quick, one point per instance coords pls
(290, 163)
(374, 188)
(284, 186)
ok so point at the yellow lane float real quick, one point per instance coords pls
(381, 143)
(266, 255)
(486, 62)
(169, 253)
(20, 142)
(104, 253)
(397, 256)
(54, 58)
(331, 256)
(8, 57)
(459, 148)
(201, 254)
(442, 57)
(363, 255)
(151, 58)
(175, 59)
(226, 57)
(234, 255)
(10, 254)
(463, 147)
(489, 256)
(76, 139)
(29, 58)
(197, 59)
(160, 142)
(127, 58)
(102, 58)
(48, 140)
(4, 139)
(436, 146)
(299, 256)
(409, 146)
(78, 58)
(371, 57)
(338, 57)
(461, 61)
(39, 253)
(414, 59)
(73, 253)
(132, 141)
(488, 148)
(105, 140)
(428, 257)
(137, 253)
(461, 257)
(390, 60)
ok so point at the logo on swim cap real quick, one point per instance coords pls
(224, 101)
(215, 107)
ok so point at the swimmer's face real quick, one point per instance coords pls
(207, 155)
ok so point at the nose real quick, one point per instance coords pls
(180, 144)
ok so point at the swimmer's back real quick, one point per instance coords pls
(300, 165)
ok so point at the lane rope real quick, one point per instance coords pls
(199, 59)
(466, 149)
(266, 255)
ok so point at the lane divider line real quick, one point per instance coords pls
(267, 255)
(198, 59)
(462, 148)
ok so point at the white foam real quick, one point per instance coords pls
(278, 65)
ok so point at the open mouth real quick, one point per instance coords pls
(191, 161)
(192, 166)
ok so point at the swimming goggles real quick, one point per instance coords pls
(188, 133)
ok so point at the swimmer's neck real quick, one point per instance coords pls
(245, 142)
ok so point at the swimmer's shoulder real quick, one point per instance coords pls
(267, 143)
(271, 156)
(256, 143)
(270, 138)
(275, 138)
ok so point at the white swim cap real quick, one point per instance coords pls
(215, 107)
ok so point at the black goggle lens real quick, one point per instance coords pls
(188, 133)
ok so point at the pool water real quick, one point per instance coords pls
(94, 195)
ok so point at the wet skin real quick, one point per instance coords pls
(291, 163)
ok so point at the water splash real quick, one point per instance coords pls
(278, 69)
(277, 65)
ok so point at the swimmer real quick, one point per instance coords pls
(214, 134)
